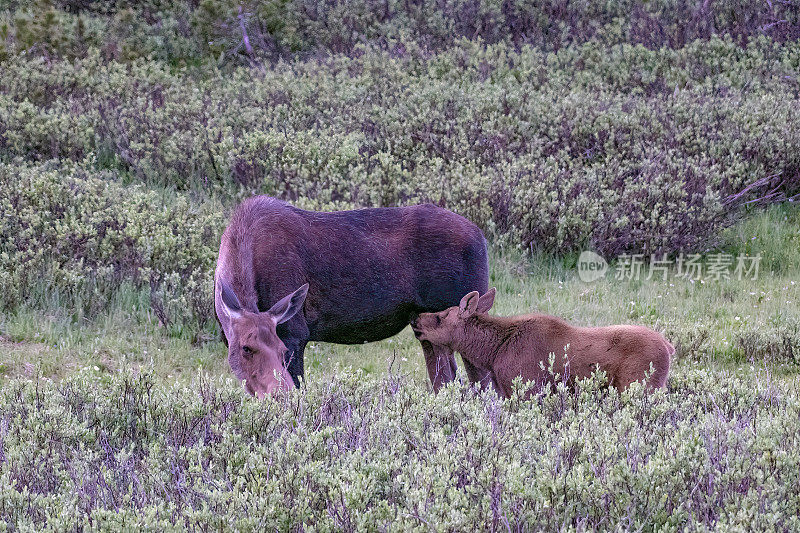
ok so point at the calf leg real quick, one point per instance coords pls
(481, 376)
(441, 364)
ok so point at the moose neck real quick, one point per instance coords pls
(239, 270)
(481, 340)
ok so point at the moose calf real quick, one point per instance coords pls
(515, 346)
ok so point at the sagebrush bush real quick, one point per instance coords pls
(354, 453)
(623, 149)
(184, 31)
(82, 236)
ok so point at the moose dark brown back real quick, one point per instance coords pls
(369, 272)
(509, 347)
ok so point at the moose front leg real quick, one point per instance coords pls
(441, 364)
(484, 378)
(294, 335)
(293, 360)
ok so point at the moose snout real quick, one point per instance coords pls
(270, 388)
(269, 382)
(275, 386)
(416, 329)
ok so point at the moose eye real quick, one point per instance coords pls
(248, 352)
(438, 319)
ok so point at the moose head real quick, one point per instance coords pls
(255, 352)
(443, 328)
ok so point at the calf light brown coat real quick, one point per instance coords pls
(515, 346)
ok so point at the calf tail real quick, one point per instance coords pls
(670, 348)
(661, 365)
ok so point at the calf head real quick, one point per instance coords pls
(255, 352)
(445, 327)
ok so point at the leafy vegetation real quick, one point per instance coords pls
(78, 237)
(228, 31)
(587, 134)
(356, 452)
(128, 130)
(729, 322)
(137, 428)
(623, 149)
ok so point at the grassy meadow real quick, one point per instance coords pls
(720, 324)
(117, 423)
(130, 130)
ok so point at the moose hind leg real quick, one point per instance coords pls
(441, 364)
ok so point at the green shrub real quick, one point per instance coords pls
(355, 453)
(184, 31)
(622, 149)
(81, 236)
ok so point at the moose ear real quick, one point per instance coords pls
(288, 306)
(229, 300)
(468, 305)
(486, 301)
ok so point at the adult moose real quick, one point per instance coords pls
(286, 276)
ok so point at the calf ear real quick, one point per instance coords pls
(230, 303)
(288, 306)
(468, 305)
(486, 301)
